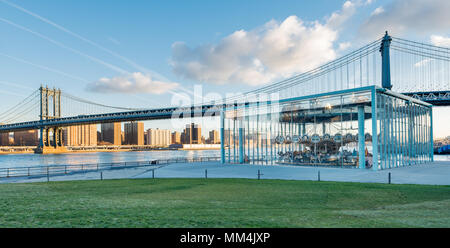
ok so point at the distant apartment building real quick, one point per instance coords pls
(112, 133)
(26, 138)
(227, 137)
(214, 137)
(134, 133)
(82, 135)
(192, 134)
(176, 138)
(158, 137)
(4, 139)
(99, 137)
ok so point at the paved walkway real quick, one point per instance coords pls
(437, 173)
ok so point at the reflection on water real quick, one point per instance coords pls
(441, 157)
(25, 160)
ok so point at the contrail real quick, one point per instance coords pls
(11, 93)
(112, 67)
(128, 61)
(44, 67)
(58, 72)
(17, 85)
(115, 68)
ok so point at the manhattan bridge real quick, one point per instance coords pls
(395, 83)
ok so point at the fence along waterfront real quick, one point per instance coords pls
(54, 170)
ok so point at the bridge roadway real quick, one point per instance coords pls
(437, 98)
(150, 114)
(208, 110)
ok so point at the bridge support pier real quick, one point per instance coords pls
(45, 145)
(56, 145)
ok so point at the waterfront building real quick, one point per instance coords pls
(4, 139)
(367, 127)
(214, 137)
(158, 137)
(81, 135)
(111, 133)
(176, 138)
(26, 138)
(192, 134)
(134, 133)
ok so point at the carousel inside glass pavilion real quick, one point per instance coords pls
(367, 127)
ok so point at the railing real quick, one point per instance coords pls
(53, 170)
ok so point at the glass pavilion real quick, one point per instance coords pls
(367, 127)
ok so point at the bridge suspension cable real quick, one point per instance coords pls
(358, 68)
(81, 100)
(73, 106)
(419, 67)
(22, 110)
(29, 108)
(414, 66)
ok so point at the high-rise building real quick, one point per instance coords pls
(192, 134)
(214, 137)
(134, 133)
(26, 138)
(82, 135)
(176, 138)
(4, 139)
(227, 137)
(158, 137)
(111, 133)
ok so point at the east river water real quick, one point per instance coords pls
(26, 160)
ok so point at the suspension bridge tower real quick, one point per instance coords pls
(51, 138)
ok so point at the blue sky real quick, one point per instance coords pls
(91, 47)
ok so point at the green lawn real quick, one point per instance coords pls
(222, 203)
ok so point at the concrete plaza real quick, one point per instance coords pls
(436, 173)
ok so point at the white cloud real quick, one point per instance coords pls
(377, 11)
(440, 41)
(132, 83)
(338, 18)
(264, 54)
(402, 16)
(344, 46)
(422, 62)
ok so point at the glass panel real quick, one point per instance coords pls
(324, 131)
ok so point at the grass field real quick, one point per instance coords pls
(222, 203)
